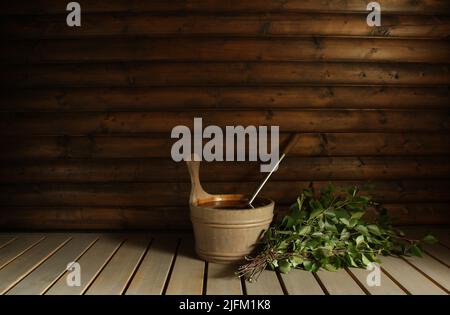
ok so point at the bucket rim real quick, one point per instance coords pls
(267, 202)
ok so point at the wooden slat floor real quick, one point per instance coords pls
(113, 263)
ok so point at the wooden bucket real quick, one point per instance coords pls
(225, 235)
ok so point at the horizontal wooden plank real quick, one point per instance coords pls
(17, 247)
(46, 274)
(339, 283)
(54, 6)
(222, 280)
(386, 287)
(212, 74)
(158, 145)
(443, 235)
(95, 25)
(92, 262)
(438, 252)
(116, 275)
(188, 271)
(165, 170)
(177, 194)
(167, 49)
(152, 273)
(288, 121)
(301, 282)
(267, 284)
(15, 271)
(6, 240)
(175, 98)
(437, 271)
(164, 218)
(411, 279)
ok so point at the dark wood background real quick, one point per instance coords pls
(86, 113)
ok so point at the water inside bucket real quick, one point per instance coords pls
(239, 204)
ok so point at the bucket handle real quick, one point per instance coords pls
(197, 191)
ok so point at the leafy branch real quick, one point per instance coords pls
(328, 231)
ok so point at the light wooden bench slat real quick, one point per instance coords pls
(443, 235)
(34, 263)
(439, 252)
(418, 233)
(188, 271)
(339, 283)
(5, 240)
(38, 281)
(300, 282)
(152, 274)
(91, 263)
(387, 286)
(408, 277)
(114, 278)
(433, 269)
(267, 284)
(222, 280)
(17, 247)
(28, 261)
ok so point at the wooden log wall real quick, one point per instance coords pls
(86, 112)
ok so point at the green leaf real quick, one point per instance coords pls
(353, 222)
(352, 261)
(284, 266)
(362, 229)
(300, 201)
(296, 260)
(321, 225)
(345, 221)
(315, 213)
(374, 229)
(312, 243)
(352, 191)
(430, 239)
(326, 251)
(307, 193)
(341, 213)
(288, 222)
(415, 250)
(282, 245)
(359, 240)
(357, 215)
(330, 227)
(365, 260)
(345, 234)
(308, 265)
(305, 230)
(315, 267)
(330, 267)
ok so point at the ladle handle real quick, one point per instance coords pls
(197, 191)
(292, 141)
